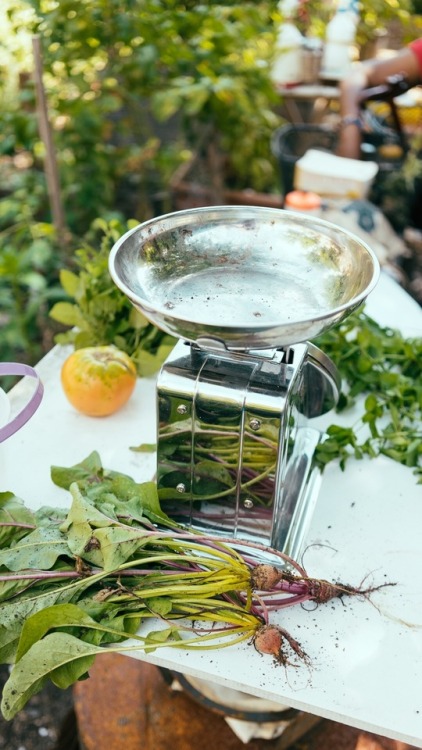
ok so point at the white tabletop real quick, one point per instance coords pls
(366, 658)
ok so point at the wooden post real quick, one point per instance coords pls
(51, 168)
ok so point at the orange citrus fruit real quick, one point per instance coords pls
(98, 380)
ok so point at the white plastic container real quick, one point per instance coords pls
(288, 64)
(334, 176)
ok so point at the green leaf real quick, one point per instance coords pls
(147, 363)
(100, 224)
(48, 516)
(57, 616)
(160, 605)
(9, 639)
(43, 229)
(118, 545)
(158, 637)
(371, 403)
(138, 320)
(14, 518)
(110, 492)
(38, 550)
(213, 470)
(198, 96)
(69, 282)
(11, 588)
(148, 497)
(34, 281)
(59, 656)
(66, 313)
(82, 518)
(16, 611)
(144, 448)
(90, 468)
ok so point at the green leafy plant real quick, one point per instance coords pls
(385, 368)
(97, 311)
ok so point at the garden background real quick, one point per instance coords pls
(134, 88)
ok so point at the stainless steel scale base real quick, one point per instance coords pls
(236, 440)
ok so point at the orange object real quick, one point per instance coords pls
(98, 380)
(302, 200)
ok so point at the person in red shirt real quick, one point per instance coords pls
(407, 63)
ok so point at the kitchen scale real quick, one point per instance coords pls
(244, 290)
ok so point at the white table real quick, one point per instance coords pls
(366, 659)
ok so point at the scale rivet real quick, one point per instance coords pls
(254, 424)
(248, 503)
(182, 409)
(181, 487)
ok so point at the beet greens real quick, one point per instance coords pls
(73, 582)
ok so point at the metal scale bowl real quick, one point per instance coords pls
(243, 289)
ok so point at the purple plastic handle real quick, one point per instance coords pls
(14, 368)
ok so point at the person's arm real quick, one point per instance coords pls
(372, 73)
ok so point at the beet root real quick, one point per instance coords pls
(264, 577)
(321, 591)
(272, 640)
